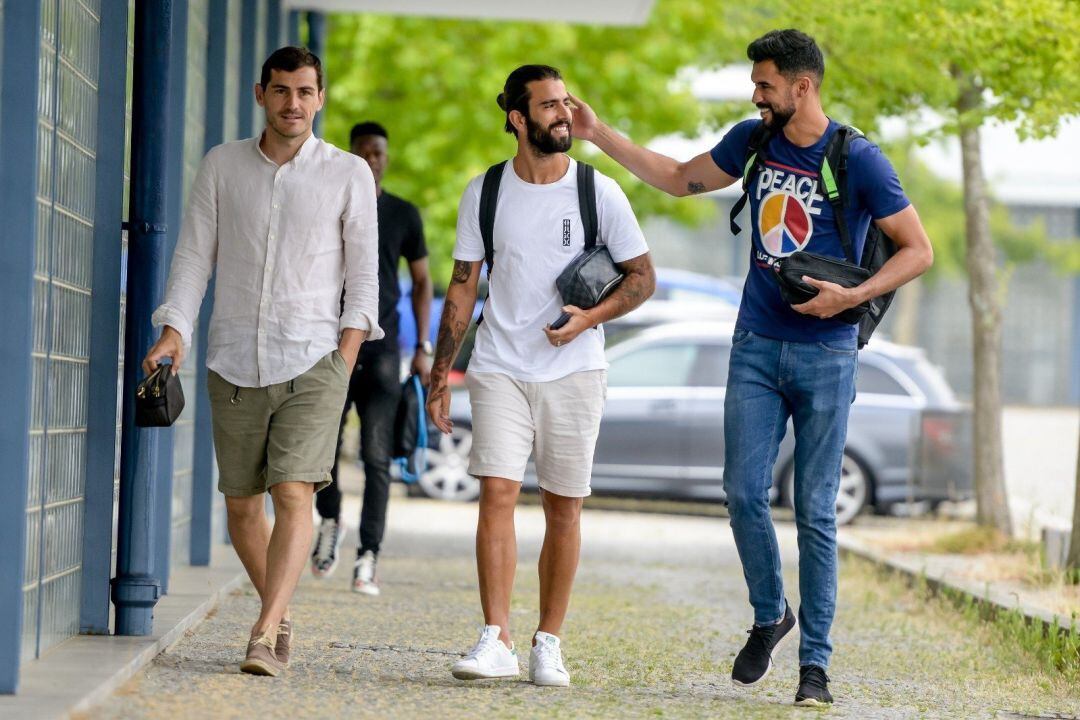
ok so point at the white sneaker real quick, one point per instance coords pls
(324, 559)
(489, 659)
(364, 580)
(545, 662)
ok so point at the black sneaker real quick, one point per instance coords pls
(813, 687)
(324, 559)
(755, 661)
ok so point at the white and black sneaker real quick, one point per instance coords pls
(813, 687)
(324, 559)
(364, 578)
(488, 659)
(755, 661)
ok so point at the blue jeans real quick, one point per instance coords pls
(813, 384)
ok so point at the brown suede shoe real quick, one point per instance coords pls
(284, 642)
(261, 659)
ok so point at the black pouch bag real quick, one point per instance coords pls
(159, 399)
(790, 272)
(587, 280)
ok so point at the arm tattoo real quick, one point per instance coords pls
(462, 270)
(635, 288)
(452, 329)
(695, 187)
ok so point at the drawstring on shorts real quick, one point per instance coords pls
(235, 399)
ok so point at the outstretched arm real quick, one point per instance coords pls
(695, 176)
(456, 315)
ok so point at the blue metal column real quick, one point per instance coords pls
(18, 205)
(137, 585)
(174, 168)
(273, 26)
(249, 74)
(202, 481)
(105, 332)
(317, 44)
(294, 28)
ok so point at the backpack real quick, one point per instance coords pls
(410, 431)
(489, 198)
(878, 247)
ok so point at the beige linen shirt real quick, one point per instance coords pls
(284, 241)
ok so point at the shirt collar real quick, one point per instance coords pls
(305, 150)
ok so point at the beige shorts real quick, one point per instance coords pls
(285, 432)
(556, 421)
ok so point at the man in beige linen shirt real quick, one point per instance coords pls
(286, 220)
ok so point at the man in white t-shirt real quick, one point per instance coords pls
(533, 389)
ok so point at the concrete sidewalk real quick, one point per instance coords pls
(658, 614)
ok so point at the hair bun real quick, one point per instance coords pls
(501, 100)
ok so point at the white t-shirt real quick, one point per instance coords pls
(537, 233)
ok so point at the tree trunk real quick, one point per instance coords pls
(992, 506)
(1073, 561)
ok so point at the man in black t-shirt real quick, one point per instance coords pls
(375, 386)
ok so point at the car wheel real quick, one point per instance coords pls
(853, 495)
(447, 474)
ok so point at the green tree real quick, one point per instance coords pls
(971, 61)
(433, 84)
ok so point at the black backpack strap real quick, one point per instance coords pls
(834, 182)
(489, 199)
(756, 149)
(586, 195)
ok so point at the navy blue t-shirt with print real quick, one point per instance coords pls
(789, 212)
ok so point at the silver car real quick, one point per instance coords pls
(662, 433)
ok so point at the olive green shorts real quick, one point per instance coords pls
(280, 433)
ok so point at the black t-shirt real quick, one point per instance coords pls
(401, 235)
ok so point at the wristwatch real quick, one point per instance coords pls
(426, 347)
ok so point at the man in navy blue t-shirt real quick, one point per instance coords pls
(788, 360)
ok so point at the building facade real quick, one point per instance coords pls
(68, 70)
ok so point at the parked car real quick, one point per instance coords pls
(662, 433)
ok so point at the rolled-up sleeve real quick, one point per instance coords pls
(194, 258)
(360, 234)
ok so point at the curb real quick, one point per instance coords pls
(990, 599)
(147, 655)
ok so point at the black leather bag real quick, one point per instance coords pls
(790, 272)
(587, 280)
(159, 399)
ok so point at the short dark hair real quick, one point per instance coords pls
(368, 127)
(515, 94)
(291, 59)
(793, 52)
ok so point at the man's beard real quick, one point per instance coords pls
(779, 116)
(543, 141)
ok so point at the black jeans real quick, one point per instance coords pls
(375, 388)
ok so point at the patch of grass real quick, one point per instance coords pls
(979, 539)
(1056, 649)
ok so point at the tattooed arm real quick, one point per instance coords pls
(662, 172)
(456, 316)
(635, 288)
